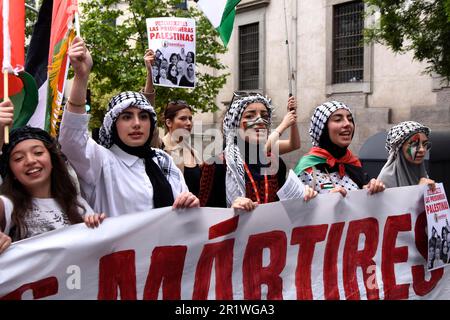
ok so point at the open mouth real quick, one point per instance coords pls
(345, 134)
(33, 172)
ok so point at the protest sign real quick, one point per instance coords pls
(438, 214)
(173, 41)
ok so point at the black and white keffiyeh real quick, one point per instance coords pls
(159, 171)
(320, 118)
(235, 174)
(401, 132)
(116, 106)
(398, 171)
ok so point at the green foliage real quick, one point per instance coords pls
(30, 20)
(118, 52)
(420, 26)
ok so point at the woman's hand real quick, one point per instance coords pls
(431, 183)
(186, 200)
(6, 113)
(292, 104)
(375, 186)
(244, 204)
(310, 193)
(80, 58)
(288, 120)
(5, 242)
(94, 220)
(149, 59)
(340, 190)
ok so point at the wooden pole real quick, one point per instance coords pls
(6, 98)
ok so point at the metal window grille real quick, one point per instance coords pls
(348, 47)
(182, 5)
(249, 56)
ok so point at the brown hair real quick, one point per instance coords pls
(63, 190)
(172, 108)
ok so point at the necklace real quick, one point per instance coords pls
(252, 181)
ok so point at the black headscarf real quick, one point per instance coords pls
(162, 190)
(355, 173)
(18, 135)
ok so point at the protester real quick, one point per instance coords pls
(407, 144)
(122, 174)
(177, 143)
(330, 166)
(37, 194)
(244, 174)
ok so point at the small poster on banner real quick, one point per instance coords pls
(438, 216)
(173, 41)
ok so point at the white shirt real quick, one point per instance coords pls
(46, 215)
(111, 180)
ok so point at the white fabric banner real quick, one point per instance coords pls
(358, 247)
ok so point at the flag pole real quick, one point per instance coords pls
(77, 24)
(6, 98)
(288, 51)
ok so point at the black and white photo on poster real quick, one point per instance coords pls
(173, 41)
(438, 216)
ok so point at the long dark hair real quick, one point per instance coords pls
(62, 189)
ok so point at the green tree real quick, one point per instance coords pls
(118, 50)
(420, 26)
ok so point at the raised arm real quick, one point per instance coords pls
(82, 152)
(149, 90)
(81, 62)
(289, 121)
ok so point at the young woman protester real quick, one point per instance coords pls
(407, 144)
(122, 174)
(244, 175)
(330, 166)
(37, 195)
(177, 143)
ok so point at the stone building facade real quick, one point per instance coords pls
(328, 62)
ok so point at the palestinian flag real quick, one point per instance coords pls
(221, 15)
(48, 115)
(61, 36)
(37, 60)
(21, 86)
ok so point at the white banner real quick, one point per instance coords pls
(358, 247)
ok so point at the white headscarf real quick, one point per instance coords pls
(235, 174)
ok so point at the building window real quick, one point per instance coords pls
(249, 56)
(182, 4)
(348, 46)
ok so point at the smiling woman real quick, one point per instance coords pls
(330, 166)
(38, 194)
